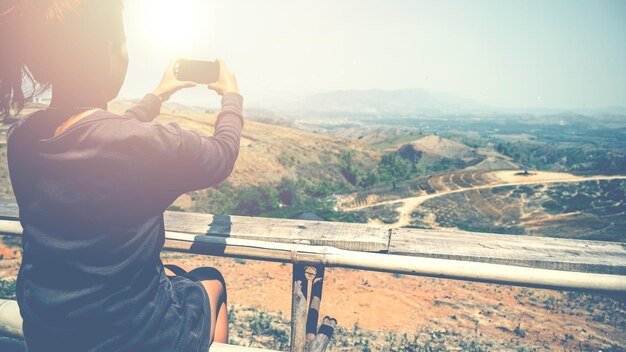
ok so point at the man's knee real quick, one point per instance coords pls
(213, 283)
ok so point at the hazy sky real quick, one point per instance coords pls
(557, 53)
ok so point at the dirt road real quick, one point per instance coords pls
(410, 203)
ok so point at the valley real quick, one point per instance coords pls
(488, 173)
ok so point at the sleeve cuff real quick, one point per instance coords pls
(232, 99)
(233, 103)
(152, 105)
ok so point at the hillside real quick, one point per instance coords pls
(438, 147)
(494, 163)
(583, 210)
(270, 152)
(504, 201)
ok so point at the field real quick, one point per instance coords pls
(420, 186)
(585, 210)
(510, 202)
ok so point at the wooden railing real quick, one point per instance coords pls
(313, 245)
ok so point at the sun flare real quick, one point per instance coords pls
(174, 25)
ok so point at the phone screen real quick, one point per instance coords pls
(202, 72)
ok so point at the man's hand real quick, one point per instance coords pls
(170, 84)
(227, 83)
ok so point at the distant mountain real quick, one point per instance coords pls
(418, 102)
(609, 110)
(383, 102)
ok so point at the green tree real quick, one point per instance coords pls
(393, 168)
(370, 179)
(290, 191)
(348, 170)
(256, 200)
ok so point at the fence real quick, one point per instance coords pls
(311, 246)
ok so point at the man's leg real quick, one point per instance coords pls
(215, 286)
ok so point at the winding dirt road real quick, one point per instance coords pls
(410, 203)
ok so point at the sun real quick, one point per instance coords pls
(174, 25)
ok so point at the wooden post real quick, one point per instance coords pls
(298, 308)
(322, 339)
(314, 304)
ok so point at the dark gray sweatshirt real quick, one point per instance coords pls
(91, 203)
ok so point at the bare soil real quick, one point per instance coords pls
(514, 176)
(405, 304)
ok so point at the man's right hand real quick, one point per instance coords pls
(170, 84)
(226, 83)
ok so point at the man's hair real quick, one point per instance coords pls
(43, 41)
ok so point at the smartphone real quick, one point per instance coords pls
(201, 72)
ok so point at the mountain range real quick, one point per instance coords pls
(416, 103)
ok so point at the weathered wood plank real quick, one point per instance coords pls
(315, 302)
(220, 347)
(401, 264)
(15, 345)
(299, 291)
(11, 334)
(526, 251)
(9, 209)
(322, 339)
(355, 237)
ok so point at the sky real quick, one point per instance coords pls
(510, 54)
